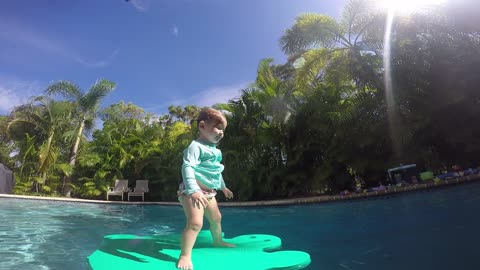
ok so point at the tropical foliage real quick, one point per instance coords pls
(305, 127)
(86, 106)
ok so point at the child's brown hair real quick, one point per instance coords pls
(210, 114)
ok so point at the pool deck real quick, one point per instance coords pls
(304, 200)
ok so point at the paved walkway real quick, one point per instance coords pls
(305, 200)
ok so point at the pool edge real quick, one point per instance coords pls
(304, 200)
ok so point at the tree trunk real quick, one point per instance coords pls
(67, 188)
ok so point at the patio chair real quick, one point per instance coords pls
(141, 186)
(121, 186)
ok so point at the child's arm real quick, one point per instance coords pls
(228, 193)
(222, 183)
(191, 158)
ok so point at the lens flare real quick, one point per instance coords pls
(394, 8)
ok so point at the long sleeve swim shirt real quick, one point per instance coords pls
(201, 161)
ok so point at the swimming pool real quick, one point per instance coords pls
(437, 229)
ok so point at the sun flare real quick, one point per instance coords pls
(407, 6)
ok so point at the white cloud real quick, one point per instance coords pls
(207, 97)
(163, 107)
(99, 63)
(218, 94)
(175, 30)
(141, 5)
(49, 45)
(16, 92)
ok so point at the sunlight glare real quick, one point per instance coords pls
(407, 6)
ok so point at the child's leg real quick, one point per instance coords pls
(193, 226)
(215, 219)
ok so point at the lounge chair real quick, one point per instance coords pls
(121, 186)
(141, 186)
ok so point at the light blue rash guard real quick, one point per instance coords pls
(201, 161)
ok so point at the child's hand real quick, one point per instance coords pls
(199, 199)
(228, 193)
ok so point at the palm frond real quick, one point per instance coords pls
(356, 14)
(65, 168)
(68, 90)
(93, 97)
(47, 156)
(90, 160)
(222, 107)
(69, 135)
(315, 62)
(311, 31)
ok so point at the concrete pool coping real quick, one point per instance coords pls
(303, 200)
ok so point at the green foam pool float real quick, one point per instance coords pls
(252, 252)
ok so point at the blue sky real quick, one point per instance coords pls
(159, 52)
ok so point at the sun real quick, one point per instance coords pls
(407, 6)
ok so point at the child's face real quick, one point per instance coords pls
(212, 131)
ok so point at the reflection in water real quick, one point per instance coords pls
(422, 230)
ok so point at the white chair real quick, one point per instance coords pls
(141, 186)
(121, 186)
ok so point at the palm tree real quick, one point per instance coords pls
(45, 120)
(273, 94)
(323, 48)
(87, 106)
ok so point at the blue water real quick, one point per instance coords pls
(437, 229)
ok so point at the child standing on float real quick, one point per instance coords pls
(202, 176)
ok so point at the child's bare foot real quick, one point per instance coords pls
(223, 244)
(185, 263)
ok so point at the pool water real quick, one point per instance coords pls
(436, 229)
